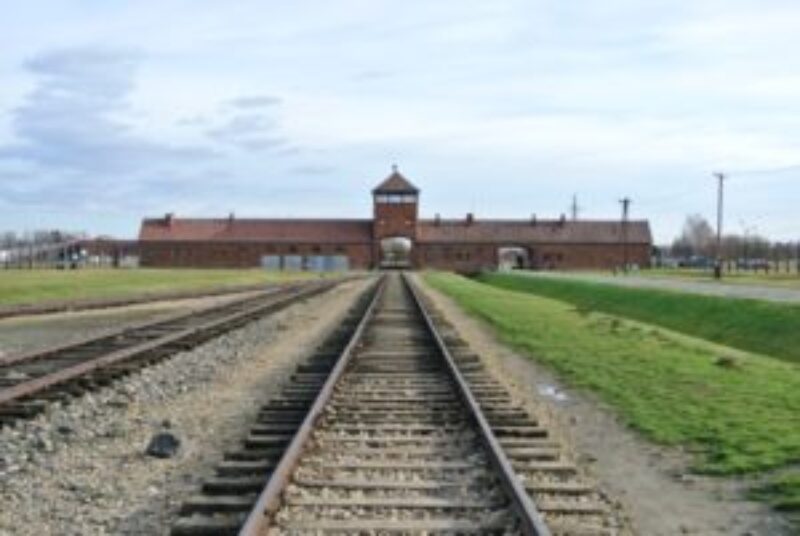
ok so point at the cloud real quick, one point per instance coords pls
(75, 137)
(255, 101)
(250, 128)
(313, 170)
(72, 120)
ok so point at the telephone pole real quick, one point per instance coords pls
(720, 187)
(574, 208)
(626, 203)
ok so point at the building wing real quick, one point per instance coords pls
(317, 231)
(533, 231)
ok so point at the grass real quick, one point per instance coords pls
(36, 286)
(756, 326)
(772, 279)
(782, 492)
(739, 413)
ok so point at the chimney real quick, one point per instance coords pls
(533, 219)
(470, 218)
(562, 220)
(168, 217)
(231, 217)
(437, 220)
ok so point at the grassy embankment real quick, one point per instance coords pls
(36, 286)
(739, 412)
(771, 279)
(756, 326)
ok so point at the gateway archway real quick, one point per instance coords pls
(513, 258)
(396, 252)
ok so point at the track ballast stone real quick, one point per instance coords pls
(80, 468)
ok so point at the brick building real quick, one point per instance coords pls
(394, 237)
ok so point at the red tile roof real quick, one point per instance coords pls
(265, 230)
(395, 184)
(522, 231)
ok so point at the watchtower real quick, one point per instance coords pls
(395, 202)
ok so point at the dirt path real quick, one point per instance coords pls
(709, 288)
(650, 482)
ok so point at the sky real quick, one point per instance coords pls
(111, 111)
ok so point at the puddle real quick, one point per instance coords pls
(552, 392)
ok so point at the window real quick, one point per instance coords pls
(395, 199)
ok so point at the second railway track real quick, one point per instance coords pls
(29, 382)
(395, 435)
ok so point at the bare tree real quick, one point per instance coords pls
(697, 238)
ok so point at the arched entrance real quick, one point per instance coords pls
(513, 258)
(396, 252)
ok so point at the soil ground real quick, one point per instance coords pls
(651, 483)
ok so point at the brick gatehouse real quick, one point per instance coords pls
(394, 237)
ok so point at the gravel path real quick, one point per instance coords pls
(29, 333)
(709, 288)
(80, 469)
(649, 482)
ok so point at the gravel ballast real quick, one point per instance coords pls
(82, 468)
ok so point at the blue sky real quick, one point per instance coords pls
(113, 110)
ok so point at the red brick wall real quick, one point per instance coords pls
(395, 220)
(242, 255)
(475, 257)
(392, 219)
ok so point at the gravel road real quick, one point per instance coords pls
(80, 469)
(710, 288)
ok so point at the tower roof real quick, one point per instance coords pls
(395, 184)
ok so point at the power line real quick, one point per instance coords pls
(766, 171)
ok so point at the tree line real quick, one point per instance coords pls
(14, 240)
(699, 240)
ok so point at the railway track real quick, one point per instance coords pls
(395, 427)
(50, 307)
(29, 382)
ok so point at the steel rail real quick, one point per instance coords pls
(129, 329)
(55, 307)
(532, 521)
(269, 499)
(31, 387)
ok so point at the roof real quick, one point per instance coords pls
(257, 230)
(527, 231)
(395, 184)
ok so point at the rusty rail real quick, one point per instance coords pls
(30, 388)
(269, 500)
(142, 324)
(532, 521)
(53, 307)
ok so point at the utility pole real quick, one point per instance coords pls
(574, 208)
(626, 203)
(720, 186)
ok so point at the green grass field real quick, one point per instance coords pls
(772, 279)
(37, 286)
(756, 326)
(739, 412)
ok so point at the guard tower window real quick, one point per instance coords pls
(395, 199)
